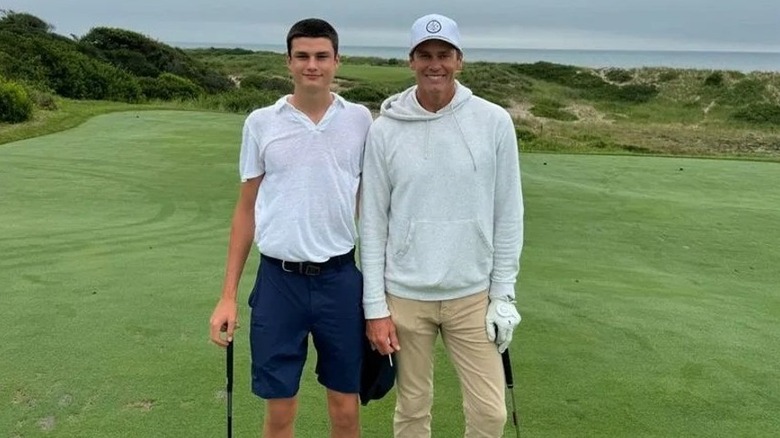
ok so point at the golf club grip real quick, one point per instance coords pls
(507, 362)
(229, 367)
(229, 388)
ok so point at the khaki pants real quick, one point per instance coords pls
(476, 360)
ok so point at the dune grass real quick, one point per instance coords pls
(648, 291)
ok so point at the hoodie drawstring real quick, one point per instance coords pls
(427, 139)
(465, 140)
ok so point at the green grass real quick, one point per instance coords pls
(375, 74)
(648, 291)
(69, 114)
(649, 297)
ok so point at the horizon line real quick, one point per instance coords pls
(227, 45)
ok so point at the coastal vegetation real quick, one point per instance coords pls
(46, 78)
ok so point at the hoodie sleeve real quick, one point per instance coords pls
(508, 214)
(374, 209)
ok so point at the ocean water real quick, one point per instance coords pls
(739, 61)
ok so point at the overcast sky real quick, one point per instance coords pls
(740, 25)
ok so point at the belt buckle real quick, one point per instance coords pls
(312, 270)
(284, 268)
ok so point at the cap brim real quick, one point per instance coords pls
(435, 37)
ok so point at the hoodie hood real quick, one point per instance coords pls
(404, 105)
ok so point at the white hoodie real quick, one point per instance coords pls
(441, 209)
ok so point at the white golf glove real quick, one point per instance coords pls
(501, 320)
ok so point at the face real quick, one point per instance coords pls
(435, 63)
(312, 63)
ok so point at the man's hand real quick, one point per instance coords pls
(501, 320)
(381, 334)
(223, 320)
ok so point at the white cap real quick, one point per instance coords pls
(435, 27)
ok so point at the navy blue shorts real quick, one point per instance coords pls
(286, 308)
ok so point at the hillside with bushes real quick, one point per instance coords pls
(105, 64)
(555, 107)
(567, 108)
(39, 67)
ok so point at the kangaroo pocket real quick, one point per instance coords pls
(441, 255)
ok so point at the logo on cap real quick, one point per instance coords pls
(433, 26)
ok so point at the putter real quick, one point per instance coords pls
(229, 389)
(510, 383)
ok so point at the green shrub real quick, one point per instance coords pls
(744, 92)
(23, 22)
(546, 144)
(73, 74)
(43, 100)
(366, 94)
(525, 135)
(547, 71)
(169, 87)
(130, 60)
(619, 75)
(635, 149)
(590, 85)
(22, 59)
(552, 109)
(498, 83)
(274, 84)
(714, 79)
(736, 75)
(599, 144)
(668, 75)
(15, 104)
(631, 93)
(637, 93)
(758, 113)
(238, 100)
(221, 51)
(143, 56)
(373, 60)
(6, 61)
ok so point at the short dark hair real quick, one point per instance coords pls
(312, 28)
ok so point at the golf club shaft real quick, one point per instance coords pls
(510, 383)
(229, 389)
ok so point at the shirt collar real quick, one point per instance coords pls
(282, 103)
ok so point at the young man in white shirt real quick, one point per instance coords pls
(441, 229)
(300, 168)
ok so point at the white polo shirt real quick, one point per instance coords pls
(305, 209)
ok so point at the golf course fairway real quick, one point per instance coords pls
(649, 290)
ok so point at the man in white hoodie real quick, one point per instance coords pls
(441, 233)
